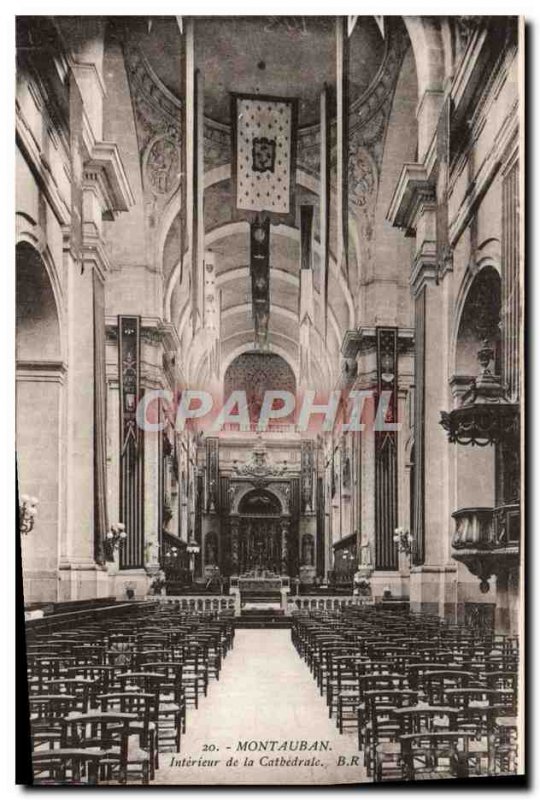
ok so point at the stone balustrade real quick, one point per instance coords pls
(206, 603)
(214, 603)
(326, 603)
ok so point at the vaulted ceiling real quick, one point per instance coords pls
(285, 57)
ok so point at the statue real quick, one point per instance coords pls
(307, 550)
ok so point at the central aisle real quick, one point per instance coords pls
(265, 692)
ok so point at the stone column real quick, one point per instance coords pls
(105, 192)
(433, 573)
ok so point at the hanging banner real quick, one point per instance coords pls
(264, 155)
(386, 486)
(131, 442)
(260, 278)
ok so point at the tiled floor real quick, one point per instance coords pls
(265, 693)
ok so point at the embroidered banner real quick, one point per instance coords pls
(260, 279)
(264, 154)
(131, 442)
(386, 487)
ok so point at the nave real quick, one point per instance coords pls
(266, 695)
(351, 695)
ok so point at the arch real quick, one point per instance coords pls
(282, 275)
(426, 41)
(217, 175)
(255, 374)
(479, 320)
(487, 255)
(245, 489)
(247, 347)
(260, 502)
(288, 231)
(38, 330)
(30, 233)
(40, 380)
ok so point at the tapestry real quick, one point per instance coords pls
(264, 155)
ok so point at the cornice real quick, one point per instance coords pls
(503, 148)
(414, 189)
(363, 340)
(105, 165)
(40, 168)
(41, 371)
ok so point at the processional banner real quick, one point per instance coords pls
(264, 155)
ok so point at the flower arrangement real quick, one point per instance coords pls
(158, 584)
(27, 511)
(403, 538)
(113, 538)
(363, 587)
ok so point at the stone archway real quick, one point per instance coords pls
(40, 373)
(259, 527)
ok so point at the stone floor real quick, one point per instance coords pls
(265, 694)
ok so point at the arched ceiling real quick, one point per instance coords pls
(283, 56)
(287, 56)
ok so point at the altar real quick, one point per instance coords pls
(261, 582)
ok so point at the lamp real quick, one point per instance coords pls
(27, 510)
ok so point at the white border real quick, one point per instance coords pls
(7, 315)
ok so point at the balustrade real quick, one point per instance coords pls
(486, 540)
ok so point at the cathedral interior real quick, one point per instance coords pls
(269, 316)
(370, 241)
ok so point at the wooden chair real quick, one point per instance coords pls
(99, 733)
(66, 766)
(435, 755)
(145, 707)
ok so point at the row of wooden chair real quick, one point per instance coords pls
(424, 698)
(106, 698)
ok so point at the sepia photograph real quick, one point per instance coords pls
(269, 399)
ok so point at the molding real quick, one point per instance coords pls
(425, 268)
(473, 59)
(504, 144)
(459, 384)
(414, 189)
(89, 68)
(45, 180)
(94, 251)
(434, 570)
(428, 93)
(363, 340)
(105, 166)
(41, 371)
